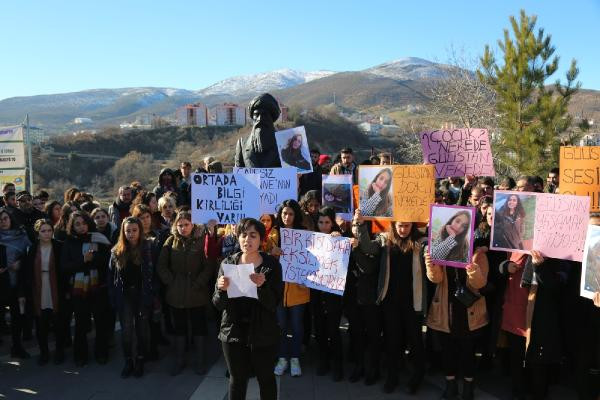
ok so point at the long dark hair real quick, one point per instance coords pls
(3, 210)
(86, 218)
(386, 201)
(408, 243)
(298, 214)
(461, 250)
(291, 140)
(48, 209)
(328, 212)
(519, 209)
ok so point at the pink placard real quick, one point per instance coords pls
(553, 224)
(458, 152)
(561, 223)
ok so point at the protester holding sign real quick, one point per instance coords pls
(403, 298)
(183, 268)
(249, 331)
(457, 315)
(290, 313)
(545, 279)
(327, 311)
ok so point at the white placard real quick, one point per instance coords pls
(226, 198)
(315, 260)
(240, 284)
(276, 185)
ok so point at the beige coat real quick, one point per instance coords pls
(438, 317)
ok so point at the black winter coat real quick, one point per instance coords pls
(260, 327)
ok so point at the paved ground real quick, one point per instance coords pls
(26, 380)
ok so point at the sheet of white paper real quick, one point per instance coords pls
(240, 284)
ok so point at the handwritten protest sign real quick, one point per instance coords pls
(315, 260)
(590, 276)
(276, 185)
(414, 191)
(226, 198)
(554, 224)
(580, 173)
(458, 152)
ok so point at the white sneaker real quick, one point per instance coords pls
(295, 369)
(281, 366)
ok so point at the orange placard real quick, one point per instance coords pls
(414, 192)
(580, 173)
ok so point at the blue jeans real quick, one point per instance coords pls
(291, 319)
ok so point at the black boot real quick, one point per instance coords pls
(356, 374)
(322, 367)
(138, 372)
(372, 376)
(199, 367)
(179, 361)
(414, 382)
(468, 390)
(391, 381)
(451, 391)
(338, 371)
(43, 358)
(127, 369)
(18, 351)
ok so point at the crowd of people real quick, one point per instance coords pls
(65, 263)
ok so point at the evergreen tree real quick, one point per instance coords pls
(532, 116)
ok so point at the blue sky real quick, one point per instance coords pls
(64, 46)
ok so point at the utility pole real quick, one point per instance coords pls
(30, 165)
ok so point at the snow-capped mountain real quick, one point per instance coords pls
(408, 68)
(278, 79)
(56, 112)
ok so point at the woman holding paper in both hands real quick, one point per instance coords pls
(249, 331)
(183, 268)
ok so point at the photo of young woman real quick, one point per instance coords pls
(509, 222)
(452, 242)
(375, 185)
(293, 150)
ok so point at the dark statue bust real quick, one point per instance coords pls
(259, 149)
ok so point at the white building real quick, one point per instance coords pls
(192, 115)
(370, 129)
(229, 114)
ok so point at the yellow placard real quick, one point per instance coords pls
(580, 173)
(414, 192)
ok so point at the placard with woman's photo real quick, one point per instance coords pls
(451, 235)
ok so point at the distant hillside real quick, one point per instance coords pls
(356, 91)
(387, 87)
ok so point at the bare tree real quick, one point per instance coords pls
(460, 97)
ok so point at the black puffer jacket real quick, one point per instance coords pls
(250, 321)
